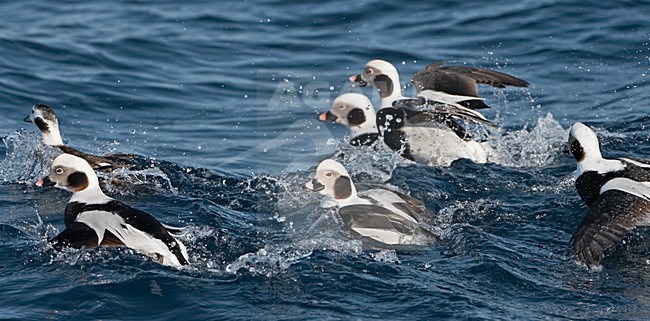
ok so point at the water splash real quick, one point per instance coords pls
(385, 256)
(537, 147)
(369, 163)
(528, 148)
(28, 158)
(124, 181)
(273, 259)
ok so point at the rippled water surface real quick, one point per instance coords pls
(219, 100)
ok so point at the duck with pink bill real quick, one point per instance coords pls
(430, 136)
(93, 219)
(377, 215)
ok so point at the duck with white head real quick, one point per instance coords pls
(617, 192)
(431, 141)
(428, 129)
(93, 219)
(45, 119)
(448, 84)
(377, 215)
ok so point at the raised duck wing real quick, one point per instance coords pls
(462, 80)
(613, 215)
(421, 110)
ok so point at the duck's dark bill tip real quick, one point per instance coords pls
(356, 79)
(27, 119)
(313, 186)
(327, 116)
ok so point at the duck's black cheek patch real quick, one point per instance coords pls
(577, 151)
(385, 85)
(356, 117)
(78, 181)
(342, 187)
(42, 125)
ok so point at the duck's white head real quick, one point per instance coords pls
(383, 75)
(332, 180)
(44, 118)
(583, 143)
(354, 111)
(74, 174)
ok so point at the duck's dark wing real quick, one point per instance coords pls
(138, 219)
(407, 204)
(101, 163)
(363, 187)
(612, 216)
(143, 221)
(420, 110)
(412, 206)
(76, 235)
(462, 80)
(378, 223)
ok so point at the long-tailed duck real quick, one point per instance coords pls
(426, 134)
(45, 119)
(376, 214)
(94, 219)
(617, 192)
(454, 80)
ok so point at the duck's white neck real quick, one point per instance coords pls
(91, 195)
(354, 199)
(52, 137)
(599, 165)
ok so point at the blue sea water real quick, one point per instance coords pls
(221, 99)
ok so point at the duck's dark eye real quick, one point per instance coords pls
(329, 174)
(59, 171)
(369, 71)
(342, 107)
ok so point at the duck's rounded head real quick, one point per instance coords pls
(583, 143)
(45, 119)
(71, 173)
(332, 179)
(381, 74)
(351, 110)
